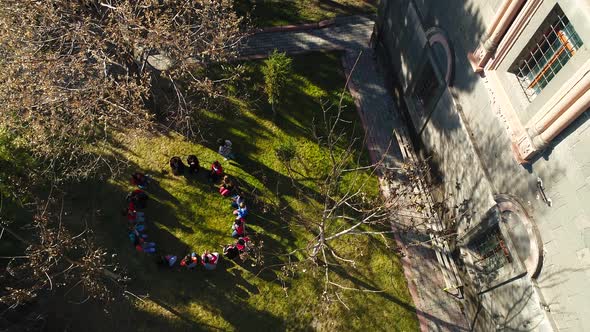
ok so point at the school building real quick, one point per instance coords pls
(498, 94)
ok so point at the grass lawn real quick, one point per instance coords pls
(187, 214)
(266, 13)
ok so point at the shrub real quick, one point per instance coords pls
(277, 71)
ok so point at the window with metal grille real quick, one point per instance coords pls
(426, 86)
(554, 43)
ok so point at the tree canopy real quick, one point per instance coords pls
(73, 70)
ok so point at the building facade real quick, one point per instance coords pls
(498, 93)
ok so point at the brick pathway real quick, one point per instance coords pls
(437, 311)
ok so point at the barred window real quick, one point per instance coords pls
(554, 43)
(426, 87)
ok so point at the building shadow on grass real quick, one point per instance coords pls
(392, 299)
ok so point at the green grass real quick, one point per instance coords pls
(188, 214)
(266, 13)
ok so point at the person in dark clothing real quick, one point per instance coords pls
(138, 197)
(193, 164)
(177, 166)
(139, 179)
(190, 261)
(167, 261)
(231, 252)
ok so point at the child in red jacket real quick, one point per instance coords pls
(216, 171)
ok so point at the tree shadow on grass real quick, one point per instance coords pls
(243, 131)
(158, 209)
(279, 212)
(274, 181)
(194, 326)
(119, 316)
(97, 204)
(317, 78)
(222, 292)
(239, 280)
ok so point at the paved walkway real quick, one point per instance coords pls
(437, 310)
(346, 33)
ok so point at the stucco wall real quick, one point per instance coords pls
(578, 13)
(469, 140)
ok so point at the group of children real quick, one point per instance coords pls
(178, 166)
(191, 261)
(136, 219)
(238, 203)
(224, 149)
(136, 222)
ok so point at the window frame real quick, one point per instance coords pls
(525, 120)
(543, 69)
(421, 112)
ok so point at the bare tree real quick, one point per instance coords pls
(54, 258)
(72, 71)
(346, 209)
